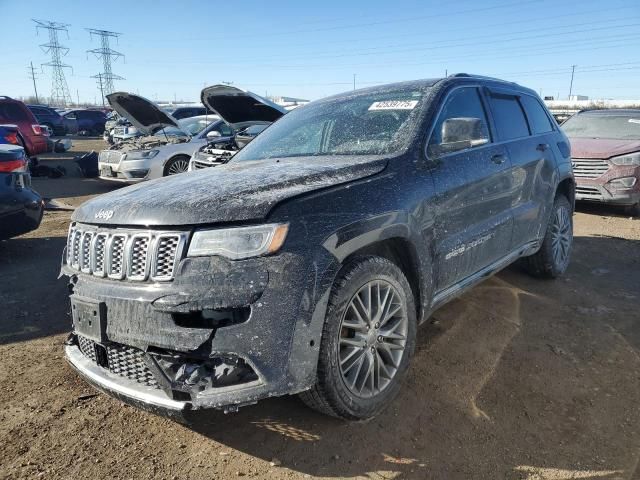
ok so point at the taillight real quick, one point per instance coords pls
(37, 129)
(12, 137)
(13, 166)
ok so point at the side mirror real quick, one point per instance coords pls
(460, 134)
(456, 130)
(213, 134)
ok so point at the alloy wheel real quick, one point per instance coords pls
(561, 236)
(373, 338)
(179, 165)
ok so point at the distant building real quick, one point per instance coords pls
(289, 103)
(578, 98)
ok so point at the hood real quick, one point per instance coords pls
(236, 191)
(602, 147)
(238, 107)
(142, 113)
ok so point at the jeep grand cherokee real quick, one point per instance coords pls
(305, 264)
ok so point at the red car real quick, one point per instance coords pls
(31, 135)
(605, 151)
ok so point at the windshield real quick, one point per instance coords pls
(618, 127)
(365, 124)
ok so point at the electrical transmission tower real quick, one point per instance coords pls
(59, 89)
(106, 78)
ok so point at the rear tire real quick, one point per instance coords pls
(552, 259)
(176, 165)
(367, 340)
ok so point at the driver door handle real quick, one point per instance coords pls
(499, 159)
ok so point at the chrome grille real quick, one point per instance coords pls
(115, 267)
(138, 257)
(99, 254)
(166, 250)
(589, 168)
(85, 252)
(110, 156)
(120, 253)
(127, 362)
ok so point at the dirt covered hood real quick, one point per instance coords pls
(237, 191)
(602, 147)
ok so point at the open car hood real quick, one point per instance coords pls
(240, 108)
(142, 113)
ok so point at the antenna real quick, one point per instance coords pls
(59, 89)
(106, 53)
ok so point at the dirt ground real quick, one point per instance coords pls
(518, 379)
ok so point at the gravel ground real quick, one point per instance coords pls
(519, 378)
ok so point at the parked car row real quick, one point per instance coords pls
(162, 145)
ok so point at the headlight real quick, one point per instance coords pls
(141, 154)
(238, 243)
(627, 160)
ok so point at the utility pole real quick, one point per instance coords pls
(573, 69)
(32, 76)
(107, 54)
(59, 89)
(100, 86)
(78, 96)
(446, 73)
(354, 81)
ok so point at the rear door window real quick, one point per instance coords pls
(508, 117)
(538, 118)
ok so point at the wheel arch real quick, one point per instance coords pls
(401, 252)
(567, 187)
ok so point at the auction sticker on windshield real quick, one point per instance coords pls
(394, 105)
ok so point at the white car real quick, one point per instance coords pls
(246, 112)
(164, 149)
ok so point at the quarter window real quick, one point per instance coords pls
(462, 124)
(508, 117)
(538, 118)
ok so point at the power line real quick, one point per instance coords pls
(59, 88)
(107, 54)
(32, 76)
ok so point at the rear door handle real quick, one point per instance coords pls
(499, 159)
(542, 147)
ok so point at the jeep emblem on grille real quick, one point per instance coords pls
(104, 214)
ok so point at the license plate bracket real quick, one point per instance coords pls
(89, 319)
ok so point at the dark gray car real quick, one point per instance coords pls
(305, 264)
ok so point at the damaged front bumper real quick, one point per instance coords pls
(221, 334)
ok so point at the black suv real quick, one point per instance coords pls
(305, 263)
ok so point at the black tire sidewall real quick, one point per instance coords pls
(356, 274)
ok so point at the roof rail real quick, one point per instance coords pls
(6, 97)
(484, 77)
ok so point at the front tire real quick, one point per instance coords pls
(367, 340)
(552, 259)
(176, 165)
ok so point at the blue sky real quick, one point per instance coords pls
(312, 49)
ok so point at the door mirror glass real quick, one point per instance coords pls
(460, 134)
